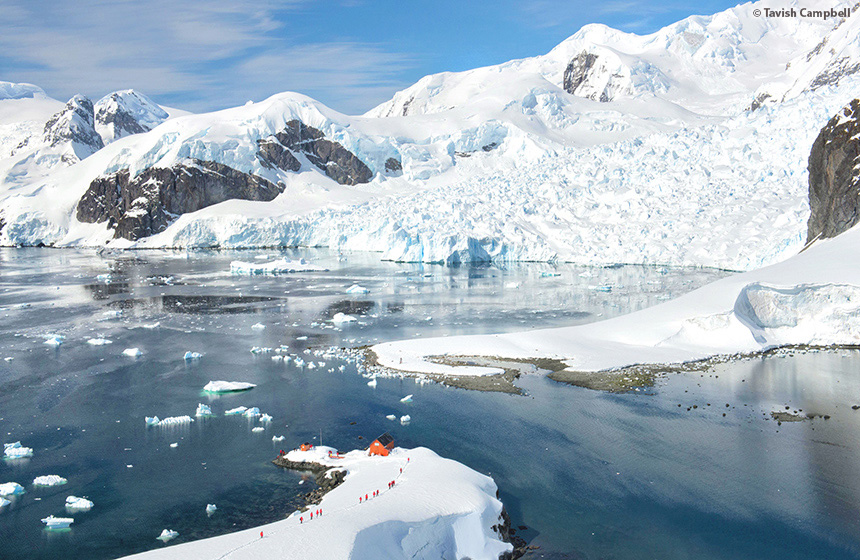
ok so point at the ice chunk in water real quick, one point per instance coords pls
(407, 398)
(192, 355)
(257, 429)
(167, 535)
(11, 489)
(405, 419)
(132, 352)
(55, 340)
(258, 326)
(16, 450)
(342, 318)
(57, 522)
(372, 383)
(356, 289)
(252, 412)
(176, 421)
(99, 341)
(265, 418)
(174, 445)
(236, 411)
(73, 503)
(152, 420)
(278, 438)
(227, 386)
(203, 410)
(49, 480)
(391, 417)
(210, 509)
(4, 502)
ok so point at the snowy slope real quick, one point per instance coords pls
(811, 298)
(650, 157)
(438, 508)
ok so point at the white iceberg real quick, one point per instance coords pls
(405, 419)
(258, 429)
(174, 445)
(57, 522)
(280, 266)
(356, 289)
(49, 480)
(16, 450)
(258, 326)
(278, 438)
(99, 342)
(260, 350)
(252, 412)
(227, 386)
(105, 278)
(407, 399)
(55, 340)
(74, 503)
(210, 509)
(167, 535)
(372, 383)
(192, 355)
(4, 502)
(203, 410)
(169, 421)
(341, 318)
(11, 489)
(152, 420)
(265, 418)
(132, 352)
(236, 411)
(391, 417)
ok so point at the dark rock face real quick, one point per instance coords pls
(338, 163)
(141, 206)
(834, 175)
(74, 124)
(123, 113)
(577, 71)
(393, 165)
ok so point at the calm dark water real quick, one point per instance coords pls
(592, 475)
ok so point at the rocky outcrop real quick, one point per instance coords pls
(326, 478)
(577, 71)
(140, 206)
(834, 175)
(123, 113)
(74, 125)
(338, 163)
(393, 165)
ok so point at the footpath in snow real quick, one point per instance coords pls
(812, 298)
(436, 508)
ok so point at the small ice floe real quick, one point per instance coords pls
(167, 535)
(99, 342)
(169, 421)
(203, 410)
(210, 509)
(239, 410)
(277, 358)
(311, 365)
(152, 325)
(258, 327)
(112, 313)
(343, 318)
(55, 340)
(257, 429)
(260, 350)
(16, 450)
(407, 399)
(372, 383)
(391, 417)
(280, 266)
(49, 480)
(8, 359)
(73, 504)
(192, 356)
(252, 412)
(52, 523)
(4, 502)
(299, 362)
(152, 420)
(356, 289)
(132, 352)
(301, 338)
(104, 278)
(265, 418)
(11, 489)
(174, 445)
(282, 349)
(405, 419)
(278, 438)
(227, 386)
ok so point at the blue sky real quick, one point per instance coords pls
(350, 54)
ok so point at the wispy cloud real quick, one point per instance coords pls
(200, 54)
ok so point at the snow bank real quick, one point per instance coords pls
(811, 298)
(227, 386)
(438, 508)
(281, 266)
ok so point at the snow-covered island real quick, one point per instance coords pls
(436, 508)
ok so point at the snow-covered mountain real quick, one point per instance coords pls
(686, 146)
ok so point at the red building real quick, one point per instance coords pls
(381, 445)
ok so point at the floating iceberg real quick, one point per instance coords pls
(407, 398)
(210, 509)
(372, 383)
(203, 410)
(391, 417)
(73, 503)
(227, 386)
(105, 278)
(405, 419)
(192, 356)
(4, 502)
(174, 445)
(258, 429)
(258, 326)
(252, 412)
(16, 450)
(341, 318)
(265, 418)
(280, 266)
(278, 438)
(11, 489)
(99, 342)
(260, 350)
(167, 535)
(356, 289)
(152, 420)
(170, 421)
(152, 325)
(49, 480)
(132, 352)
(55, 340)
(57, 522)
(236, 411)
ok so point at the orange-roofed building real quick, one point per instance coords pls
(381, 445)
